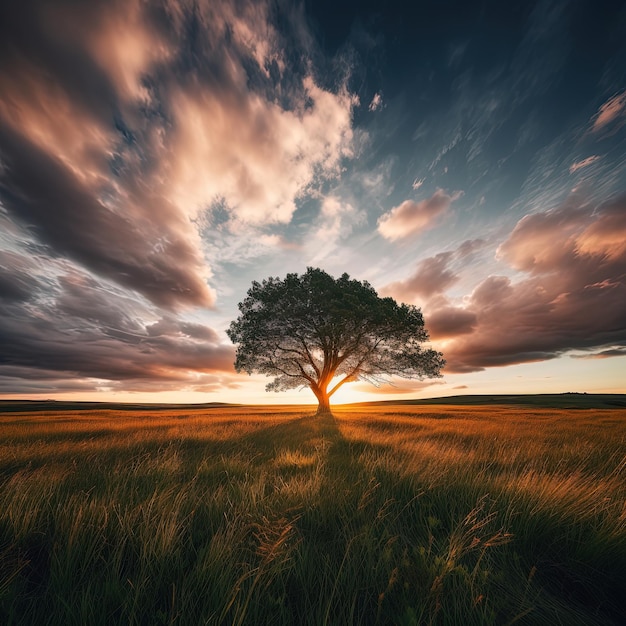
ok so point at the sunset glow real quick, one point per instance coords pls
(156, 158)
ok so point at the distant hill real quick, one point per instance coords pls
(544, 400)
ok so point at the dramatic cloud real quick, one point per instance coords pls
(613, 109)
(59, 146)
(433, 276)
(156, 157)
(123, 126)
(251, 153)
(412, 218)
(156, 259)
(88, 332)
(574, 295)
(605, 237)
(116, 135)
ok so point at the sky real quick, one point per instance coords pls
(156, 157)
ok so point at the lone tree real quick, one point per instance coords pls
(311, 329)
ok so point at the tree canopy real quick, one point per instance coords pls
(313, 330)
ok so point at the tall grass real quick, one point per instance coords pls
(394, 515)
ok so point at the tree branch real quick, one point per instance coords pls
(309, 356)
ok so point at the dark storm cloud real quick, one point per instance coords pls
(573, 296)
(16, 283)
(86, 330)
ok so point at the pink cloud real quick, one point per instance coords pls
(251, 153)
(412, 218)
(532, 246)
(432, 276)
(449, 321)
(122, 40)
(573, 295)
(606, 235)
(574, 167)
(611, 110)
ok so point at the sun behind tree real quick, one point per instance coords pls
(311, 329)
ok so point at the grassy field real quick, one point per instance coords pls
(382, 514)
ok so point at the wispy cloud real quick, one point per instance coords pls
(603, 354)
(337, 220)
(377, 102)
(574, 167)
(613, 109)
(398, 386)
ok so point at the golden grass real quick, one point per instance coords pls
(392, 514)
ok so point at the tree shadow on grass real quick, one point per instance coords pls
(302, 433)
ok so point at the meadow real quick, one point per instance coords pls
(381, 514)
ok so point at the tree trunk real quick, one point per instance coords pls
(324, 405)
(323, 400)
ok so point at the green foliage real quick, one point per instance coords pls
(306, 330)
